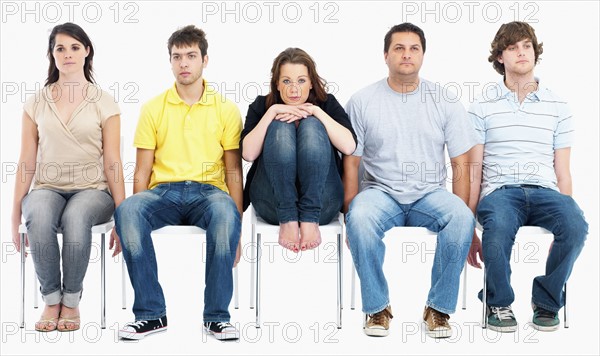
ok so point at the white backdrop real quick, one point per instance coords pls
(346, 41)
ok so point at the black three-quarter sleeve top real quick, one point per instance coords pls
(257, 110)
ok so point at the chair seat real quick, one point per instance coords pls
(96, 229)
(179, 230)
(411, 231)
(525, 230)
(263, 227)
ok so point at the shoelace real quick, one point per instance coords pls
(380, 318)
(221, 325)
(439, 318)
(139, 323)
(503, 313)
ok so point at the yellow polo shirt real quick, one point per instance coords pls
(189, 141)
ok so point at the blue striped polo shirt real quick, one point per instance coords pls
(520, 138)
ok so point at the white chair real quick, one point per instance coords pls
(260, 228)
(101, 229)
(524, 230)
(404, 231)
(177, 230)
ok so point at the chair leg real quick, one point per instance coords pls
(464, 293)
(565, 308)
(36, 291)
(103, 281)
(484, 316)
(353, 288)
(252, 265)
(339, 281)
(257, 285)
(123, 284)
(22, 298)
(236, 295)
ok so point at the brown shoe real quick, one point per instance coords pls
(378, 324)
(436, 323)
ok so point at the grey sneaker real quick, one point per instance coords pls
(545, 320)
(501, 319)
(378, 324)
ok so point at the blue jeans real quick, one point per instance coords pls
(297, 178)
(373, 212)
(502, 212)
(75, 212)
(181, 203)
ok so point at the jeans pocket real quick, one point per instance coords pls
(160, 189)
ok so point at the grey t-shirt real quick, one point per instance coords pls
(401, 138)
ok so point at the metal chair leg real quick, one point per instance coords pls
(484, 316)
(252, 266)
(123, 284)
(565, 308)
(339, 281)
(464, 293)
(236, 295)
(353, 288)
(36, 291)
(257, 285)
(103, 281)
(22, 298)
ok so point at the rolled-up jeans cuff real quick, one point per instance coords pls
(71, 300)
(52, 298)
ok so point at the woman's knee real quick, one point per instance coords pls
(312, 133)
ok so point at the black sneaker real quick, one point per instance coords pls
(142, 328)
(222, 330)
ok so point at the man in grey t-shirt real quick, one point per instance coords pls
(402, 124)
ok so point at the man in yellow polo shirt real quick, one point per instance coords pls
(188, 172)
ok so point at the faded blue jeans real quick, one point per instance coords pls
(502, 212)
(181, 203)
(297, 178)
(75, 212)
(373, 212)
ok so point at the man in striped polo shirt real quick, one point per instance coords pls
(522, 178)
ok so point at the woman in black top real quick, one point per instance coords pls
(294, 136)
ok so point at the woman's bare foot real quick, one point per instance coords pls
(49, 318)
(310, 235)
(289, 236)
(69, 319)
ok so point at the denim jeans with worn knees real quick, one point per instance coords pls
(373, 212)
(181, 203)
(297, 178)
(501, 214)
(75, 212)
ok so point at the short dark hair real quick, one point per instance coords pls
(189, 36)
(509, 34)
(72, 30)
(403, 27)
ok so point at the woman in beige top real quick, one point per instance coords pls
(70, 144)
